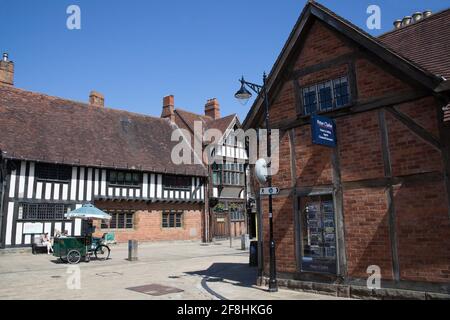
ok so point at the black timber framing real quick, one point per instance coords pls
(392, 218)
(295, 199)
(365, 42)
(341, 60)
(415, 128)
(4, 199)
(338, 199)
(444, 134)
(373, 104)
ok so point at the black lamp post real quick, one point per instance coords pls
(244, 95)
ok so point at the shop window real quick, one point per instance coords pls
(319, 234)
(121, 219)
(172, 219)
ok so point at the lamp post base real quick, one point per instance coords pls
(273, 286)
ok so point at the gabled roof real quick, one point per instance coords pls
(425, 43)
(38, 127)
(186, 119)
(314, 10)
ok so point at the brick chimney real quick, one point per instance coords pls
(212, 108)
(96, 99)
(168, 108)
(6, 71)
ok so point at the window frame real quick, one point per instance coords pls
(27, 216)
(60, 169)
(133, 184)
(176, 187)
(316, 87)
(106, 225)
(178, 219)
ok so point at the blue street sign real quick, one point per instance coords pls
(323, 131)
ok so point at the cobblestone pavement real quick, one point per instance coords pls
(202, 272)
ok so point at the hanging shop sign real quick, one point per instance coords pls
(323, 131)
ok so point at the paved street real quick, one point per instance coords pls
(204, 272)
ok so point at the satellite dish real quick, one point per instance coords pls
(261, 171)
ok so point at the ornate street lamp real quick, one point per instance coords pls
(244, 95)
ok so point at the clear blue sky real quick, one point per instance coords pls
(137, 51)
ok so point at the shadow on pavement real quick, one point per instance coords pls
(237, 274)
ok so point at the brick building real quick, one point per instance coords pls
(381, 197)
(227, 191)
(56, 155)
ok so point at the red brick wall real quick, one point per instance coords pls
(423, 228)
(366, 232)
(409, 153)
(421, 209)
(313, 163)
(148, 222)
(284, 233)
(321, 44)
(283, 179)
(283, 107)
(359, 142)
(374, 82)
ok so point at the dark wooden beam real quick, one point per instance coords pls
(360, 106)
(295, 199)
(444, 135)
(417, 129)
(365, 41)
(392, 216)
(338, 199)
(341, 60)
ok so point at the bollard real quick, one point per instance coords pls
(132, 250)
(245, 241)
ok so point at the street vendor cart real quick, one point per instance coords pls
(73, 249)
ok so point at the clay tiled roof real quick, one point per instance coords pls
(42, 128)
(185, 119)
(426, 43)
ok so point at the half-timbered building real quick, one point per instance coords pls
(378, 204)
(230, 212)
(58, 154)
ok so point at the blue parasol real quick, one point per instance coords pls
(88, 212)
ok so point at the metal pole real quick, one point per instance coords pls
(273, 285)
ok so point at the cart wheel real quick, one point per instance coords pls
(102, 252)
(74, 256)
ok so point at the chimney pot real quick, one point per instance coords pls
(398, 24)
(6, 71)
(212, 108)
(417, 16)
(427, 13)
(406, 21)
(96, 99)
(168, 111)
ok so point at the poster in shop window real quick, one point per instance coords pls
(319, 254)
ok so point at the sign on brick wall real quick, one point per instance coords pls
(323, 131)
